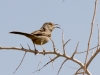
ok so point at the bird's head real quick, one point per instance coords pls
(49, 26)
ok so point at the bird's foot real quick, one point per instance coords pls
(36, 51)
(43, 52)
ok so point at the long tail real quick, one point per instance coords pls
(22, 33)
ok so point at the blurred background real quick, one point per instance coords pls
(74, 16)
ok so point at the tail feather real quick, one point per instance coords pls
(22, 33)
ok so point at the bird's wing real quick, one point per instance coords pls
(41, 33)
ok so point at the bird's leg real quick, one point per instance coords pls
(36, 51)
(43, 49)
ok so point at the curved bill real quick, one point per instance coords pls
(57, 26)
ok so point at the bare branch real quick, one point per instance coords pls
(66, 43)
(22, 58)
(94, 55)
(29, 47)
(46, 64)
(22, 46)
(62, 65)
(92, 25)
(64, 51)
(20, 63)
(54, 47)
(63, 41)
(77, 71)
(75, 50)
(25, 50)
(98, 40)
(72, 67)
(80, 72)
(39, 62)
(86, 51)
(52, 62)
(98, 37)
(40, 52)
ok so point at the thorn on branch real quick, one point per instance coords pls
(21, 46)
(28, 46)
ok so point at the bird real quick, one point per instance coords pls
(41, 36)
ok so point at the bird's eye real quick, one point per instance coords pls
(50, 23)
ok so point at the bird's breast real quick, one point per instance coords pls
(41, 40)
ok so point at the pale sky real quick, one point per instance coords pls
(74, 16)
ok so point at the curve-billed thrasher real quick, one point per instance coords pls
(41, 36)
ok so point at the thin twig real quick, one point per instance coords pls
(54, 47)
(62, 65)
(22, 58)
(86, 51)
(98, 40)
(52, 62)
(46, 64)
(47, 52)
(29, 47)
(92, 25)
(21, 46)
(40, 62)
(20, 63)
(63, 42)
(98, 36)
(94, 55)
(66, 43)
(75, 50)
(72, 67)
(77, 71)
(40, 52)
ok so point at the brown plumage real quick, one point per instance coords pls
(41, 36)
